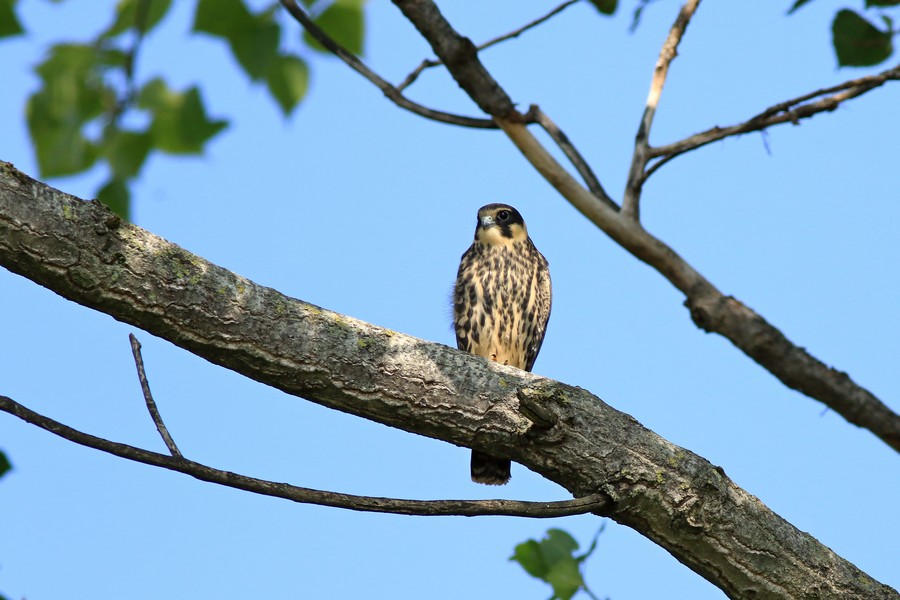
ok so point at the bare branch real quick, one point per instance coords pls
(581, 165)
(148, 398)
(517, 32)
(789, 111)
(414, 74)
(636, 177)
(596, 503)
(428, 63)
(389, 90)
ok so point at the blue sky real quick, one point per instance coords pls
(362, 208)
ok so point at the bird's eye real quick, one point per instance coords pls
(503, 215)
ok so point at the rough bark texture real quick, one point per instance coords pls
(710, 309)
(85, 253)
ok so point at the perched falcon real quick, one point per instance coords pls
(501, 304)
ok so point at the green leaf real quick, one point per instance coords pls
(871, 3)
(180, 124)
(344, 21)
(5, 465)
(528, 554)
(288, 79)
(142, 15)
(255, 45)
(116, 196)
(796, 5)
(558, 545)
(126, 151)
(565, 578)
(9, 22)
(253, 38)
(857, 42)
(607, 7)
(220, 17)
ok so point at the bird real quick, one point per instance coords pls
(501, 305)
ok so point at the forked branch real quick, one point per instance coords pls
(789, 111)
(466, 508)
(636, 175)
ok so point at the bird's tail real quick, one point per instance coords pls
(488, 469)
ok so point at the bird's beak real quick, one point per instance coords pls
(487, 221)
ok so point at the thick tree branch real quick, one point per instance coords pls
(85, 253)
(636, 176)
(461, 508)
(710, 309)
(789, 111)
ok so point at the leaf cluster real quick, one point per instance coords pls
(91, 107)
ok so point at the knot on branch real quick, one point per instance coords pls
(703, 314)
(535, 405)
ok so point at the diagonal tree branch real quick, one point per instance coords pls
(460, 508)
(710, 309)
(636, 176)
(789, 111)
(679, 500)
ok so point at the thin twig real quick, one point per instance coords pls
(581, 165)
(414, 74)
(431, 62)
(148, 398)
(789, 111)
(389, 90)
(636, 177)
(597, 503)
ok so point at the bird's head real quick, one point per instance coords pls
(500, 224)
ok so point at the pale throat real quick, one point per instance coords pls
(493, 236)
